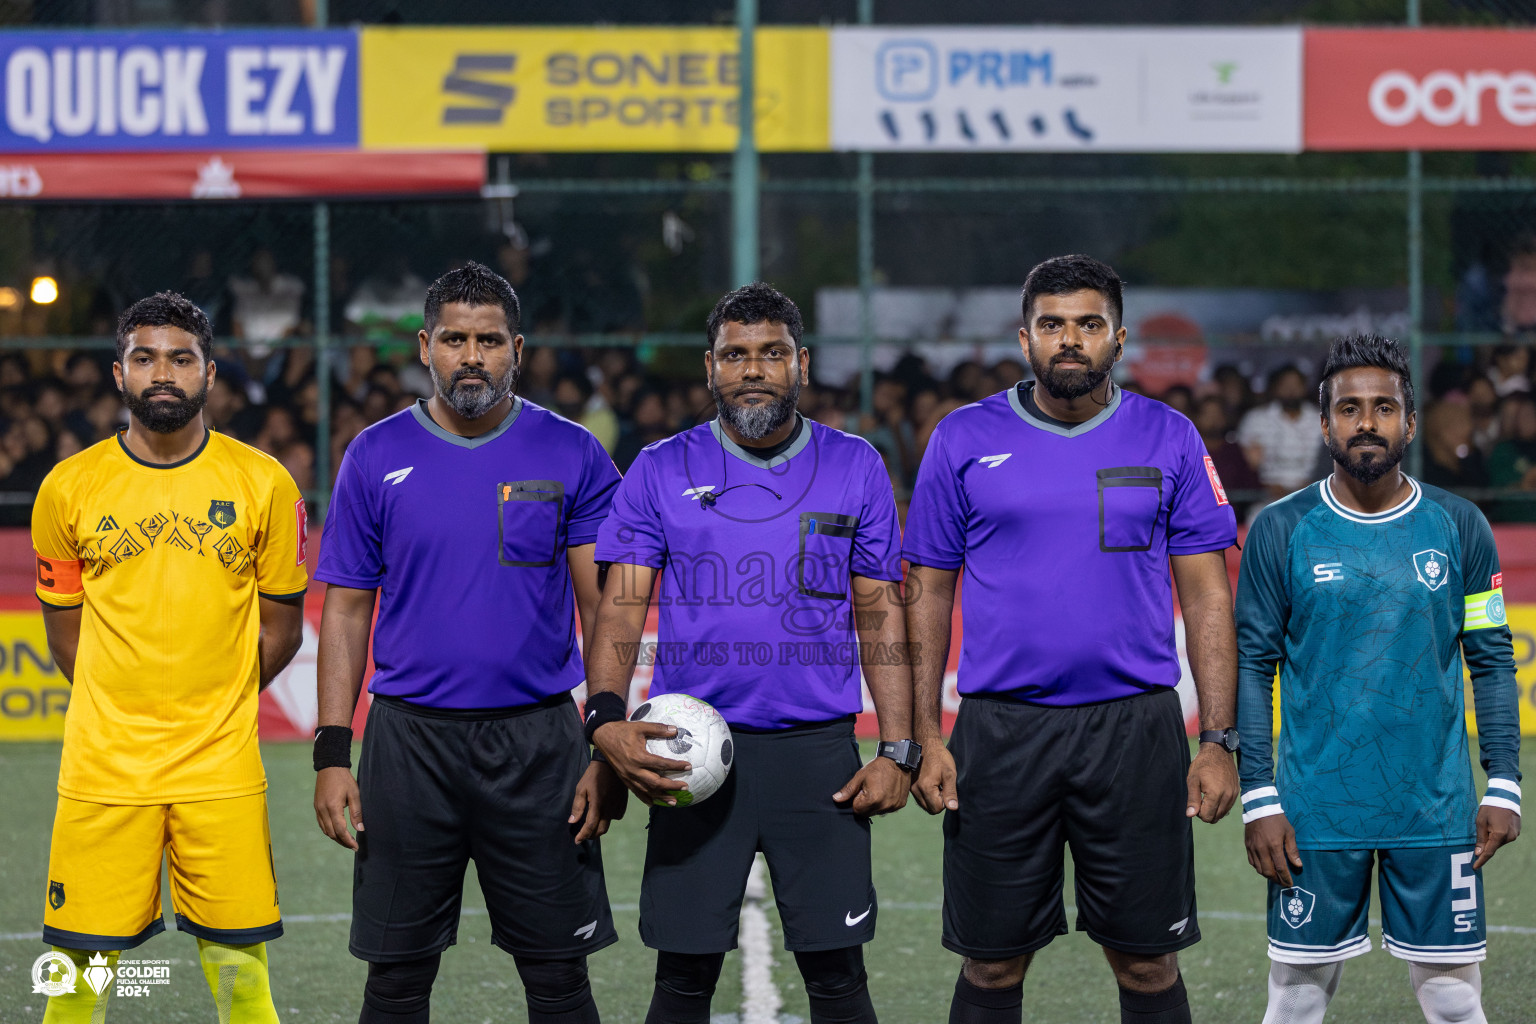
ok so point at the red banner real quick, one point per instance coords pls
(1399, 89)
(238, 175)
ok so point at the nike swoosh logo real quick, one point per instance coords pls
(850, 920)
(591, 713)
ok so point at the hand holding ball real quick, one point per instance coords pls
(703, 740)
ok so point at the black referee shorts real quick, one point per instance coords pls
(1109, 780)
(441, 788)
(777, 799)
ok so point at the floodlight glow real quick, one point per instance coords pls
(44, 290)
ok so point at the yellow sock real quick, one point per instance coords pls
(237, 977)
(84, 1005)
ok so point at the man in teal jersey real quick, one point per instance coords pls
(1366, 589)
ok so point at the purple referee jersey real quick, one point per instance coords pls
(756, 559)
(1064, 535)
(465, 538)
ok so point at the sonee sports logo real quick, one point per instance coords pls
(98, 973)
(993, 461)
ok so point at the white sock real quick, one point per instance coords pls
(1299, 993)
(1448, 993)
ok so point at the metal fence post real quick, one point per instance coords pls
(866, 283)
(1415, 268)
(744, 183)
(322, 230)
(322, 355)
(866, 189)
(1416, 288)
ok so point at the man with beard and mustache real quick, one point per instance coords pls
(1064, 501)
(1367, 590)
(776, 544)
(170, 565)
(1278, 438)
(475, 514)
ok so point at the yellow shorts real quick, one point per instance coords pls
(104, 873)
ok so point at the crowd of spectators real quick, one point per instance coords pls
(1477, 415)
(1477, 424)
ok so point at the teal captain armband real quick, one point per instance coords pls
(1485, 610)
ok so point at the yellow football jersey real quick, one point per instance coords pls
(168, 562)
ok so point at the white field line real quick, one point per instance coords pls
(760, 1000)
(621, 908)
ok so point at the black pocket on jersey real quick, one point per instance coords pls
(528, 518)
(1130, 500)
(826, 554)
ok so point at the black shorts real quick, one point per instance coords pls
(777, 799)
(440, 789)
(1107, 779)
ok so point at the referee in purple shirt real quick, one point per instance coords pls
(773, 545)
(1063, 501)
(471, 519)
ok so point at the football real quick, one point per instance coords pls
(703, 740)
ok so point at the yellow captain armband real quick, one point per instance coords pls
(1485, 610)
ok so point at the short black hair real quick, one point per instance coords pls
(166, 309)
(755, 303)
(1357, 350)
(473, 284)
(1061, 275)
(1282, 371)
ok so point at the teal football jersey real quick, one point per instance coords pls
(1367, 618)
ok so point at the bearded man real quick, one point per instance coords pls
(475, 513)
(1064, 501)
(773, 545)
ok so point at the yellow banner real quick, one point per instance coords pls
(588, 89)
(33, 692)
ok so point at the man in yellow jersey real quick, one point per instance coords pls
(170, 564)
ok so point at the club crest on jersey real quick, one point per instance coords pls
(222, 514)
(1296, 906)
(1433, 567)
(55, 894)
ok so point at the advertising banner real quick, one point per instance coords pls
(1067, 90)
(77, 91)
(238, 174)
(588, 89)
(1397, 89)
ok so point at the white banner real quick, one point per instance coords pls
(1067, 90)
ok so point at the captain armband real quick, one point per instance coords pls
(1484, 611)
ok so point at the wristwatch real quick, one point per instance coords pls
(1227, 738)
(908, 754)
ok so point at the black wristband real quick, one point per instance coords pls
(333, 747)
(603, 708)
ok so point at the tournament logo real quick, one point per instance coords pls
(1296, 906)
(1433, 567)
(222, 514)
(55, 894)
(98, 973)
(53, 974)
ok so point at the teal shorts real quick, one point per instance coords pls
(1431, 906)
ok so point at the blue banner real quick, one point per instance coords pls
(119, 91)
